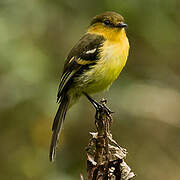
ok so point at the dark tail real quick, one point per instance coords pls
(57, 125)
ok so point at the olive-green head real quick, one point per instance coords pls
(109, 19)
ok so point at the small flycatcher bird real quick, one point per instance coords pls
(91, 66)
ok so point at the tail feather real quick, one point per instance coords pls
(57, 126)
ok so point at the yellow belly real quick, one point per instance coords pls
(108, 68)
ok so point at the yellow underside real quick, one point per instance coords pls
(113, 58)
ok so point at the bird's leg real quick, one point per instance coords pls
(98, 106)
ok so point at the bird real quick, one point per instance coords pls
(92, 65)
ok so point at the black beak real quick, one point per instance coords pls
(121, 25)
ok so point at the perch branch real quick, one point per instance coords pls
(105, 158)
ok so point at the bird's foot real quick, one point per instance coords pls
(100, 106)
(103, 103)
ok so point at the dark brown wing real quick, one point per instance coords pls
(84, 53)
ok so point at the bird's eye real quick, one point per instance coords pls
(107, 22)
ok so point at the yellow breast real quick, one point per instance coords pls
(112, 60)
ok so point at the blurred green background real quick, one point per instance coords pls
(35, 38)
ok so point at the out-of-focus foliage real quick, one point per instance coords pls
(35, 37)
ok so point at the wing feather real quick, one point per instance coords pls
(84, 53)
